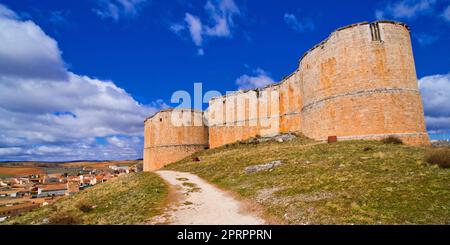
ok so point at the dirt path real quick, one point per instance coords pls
(200, 203)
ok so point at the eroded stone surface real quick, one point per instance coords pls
(263, 167)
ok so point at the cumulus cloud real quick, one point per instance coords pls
(258, 79)
(219, 21)
(48, 112)
(115, 9)
(122, 142)
(435, 91)
(26, 51)
(296, 25)
(405, 9)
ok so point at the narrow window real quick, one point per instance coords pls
(375, 32)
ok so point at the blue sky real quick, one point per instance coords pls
(136, 53)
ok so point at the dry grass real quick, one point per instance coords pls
(20, 171)
(392, 140)
(440, 157)
(64, 219)
(131, 199)
(353, 182)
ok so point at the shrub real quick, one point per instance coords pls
(367, 148)
(85, 208)
(392, 140)
(440, 157)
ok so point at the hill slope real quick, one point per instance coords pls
(130, 199)
(354, 182)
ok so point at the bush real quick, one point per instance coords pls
(392, 140)
(85, 208)
(367, 148)
(440, 157)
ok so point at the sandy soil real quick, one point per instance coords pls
(198, 203)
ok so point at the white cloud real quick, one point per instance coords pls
(10, 151)
(115, 9)
(89, 149)
(435, 91)
(219, 22)
(7, 13)
(446, 14)
(50, 109)
(259, 79)
(195, 28)
(221, 15)
(299, 26)
(116, 141)
(406, 9)
(27, 51)
(177, 28)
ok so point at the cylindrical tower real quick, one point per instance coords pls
(171, 135)
(360, 83)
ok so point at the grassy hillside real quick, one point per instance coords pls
(131, 199)
(354, 182)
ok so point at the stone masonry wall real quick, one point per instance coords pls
(170, 139)
(358, 83)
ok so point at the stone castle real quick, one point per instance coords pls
(359, 83)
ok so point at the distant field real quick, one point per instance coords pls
(100, 165)
(11, 169)
(7, 171)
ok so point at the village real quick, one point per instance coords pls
(23, 193)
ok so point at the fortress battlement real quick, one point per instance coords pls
(358, 83)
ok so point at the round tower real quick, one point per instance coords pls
(360, 83)
(171, 135)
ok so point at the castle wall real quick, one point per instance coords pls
(359, 86)
(359, 83)
(172, 135)
(291, 104)
(243, 115)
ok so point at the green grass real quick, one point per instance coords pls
(130, 199)
(353, 182)
(4, 176)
